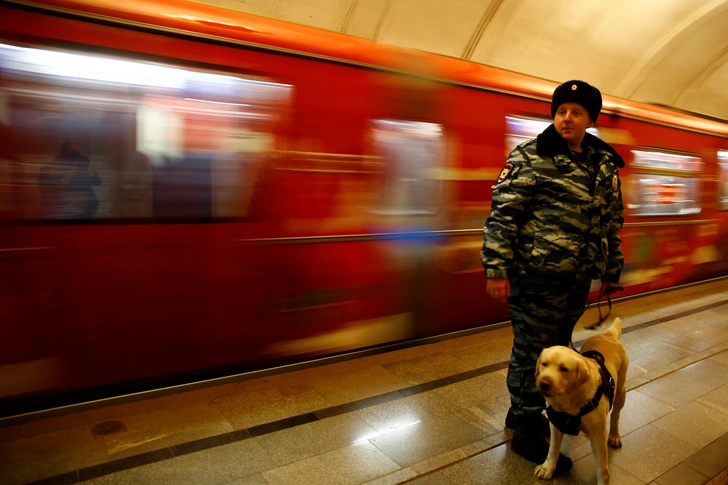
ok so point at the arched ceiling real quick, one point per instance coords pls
(668, 52)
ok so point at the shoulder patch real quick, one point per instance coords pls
(506, 172)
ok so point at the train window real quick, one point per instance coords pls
(412, 153)
(665, 183)
(723, 173)
(520, 129)
(99, 137)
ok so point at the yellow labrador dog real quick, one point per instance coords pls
(580, 389)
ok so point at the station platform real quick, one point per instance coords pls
(431, 414)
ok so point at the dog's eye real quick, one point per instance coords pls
(563, 369)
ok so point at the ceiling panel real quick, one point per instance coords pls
(670, 52)
(432, 25)
(324, 14)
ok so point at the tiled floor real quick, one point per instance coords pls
(426, 415)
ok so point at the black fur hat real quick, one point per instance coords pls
(578, 92)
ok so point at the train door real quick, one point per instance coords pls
(406, 205)
(352, 276)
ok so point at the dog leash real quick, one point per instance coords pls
(606, 293)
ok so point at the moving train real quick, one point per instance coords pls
(189, 192)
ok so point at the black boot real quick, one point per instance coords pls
(530, 444)
(543, 424)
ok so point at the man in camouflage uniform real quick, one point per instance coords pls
(555, 218)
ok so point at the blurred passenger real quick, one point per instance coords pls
(555, 218)
(67, 185)
(80, 195)
(9, 173)
(52, 179)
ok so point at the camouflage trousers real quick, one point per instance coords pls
(544, 312)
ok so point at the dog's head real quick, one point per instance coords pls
(560, 370)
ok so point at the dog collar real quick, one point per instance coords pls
(568, 423)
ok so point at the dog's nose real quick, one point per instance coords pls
(544, 385)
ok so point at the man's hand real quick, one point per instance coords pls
(499, 289)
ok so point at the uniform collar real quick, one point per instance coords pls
(550, 143)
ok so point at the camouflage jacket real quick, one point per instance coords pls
(553, 214)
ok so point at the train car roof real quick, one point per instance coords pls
(231, 26)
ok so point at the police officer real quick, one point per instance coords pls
(554, 226)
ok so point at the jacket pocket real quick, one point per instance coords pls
(558, 256)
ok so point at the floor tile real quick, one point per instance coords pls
(312, 439)
(576, 447)
(488, 420)
(358, 463)
(634, 372)
(400, 476)
(131, 462)
(436, 478)
(118, 412)
(406, 411)
(721, 357)
(249, 480)
(721, 479)
(649, 452)
(682, 475)
(426, 439)
(717, 399)
(442, 346)
(688, 384)
(42, 456)
(310, 374)
(584, 473)
(164, 428)
(195, 468)
(481, 353)
(350, 465)
(499, 465)
(655, 356)
(712, 459)
(639, 410)
(697, 424)
(488, 390)
(358, 384)
(301, 442)
(251, 408)
(687, 335)
(427, 368)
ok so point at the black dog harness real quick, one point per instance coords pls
(569, 424)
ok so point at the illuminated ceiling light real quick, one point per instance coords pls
(78, 66)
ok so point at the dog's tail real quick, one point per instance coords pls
(615, 329)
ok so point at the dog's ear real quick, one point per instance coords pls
(581, 373)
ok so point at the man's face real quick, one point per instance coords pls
(571, 121)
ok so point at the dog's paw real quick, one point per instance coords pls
(544, 472)
(615, 441)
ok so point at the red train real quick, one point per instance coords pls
(187, 191)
